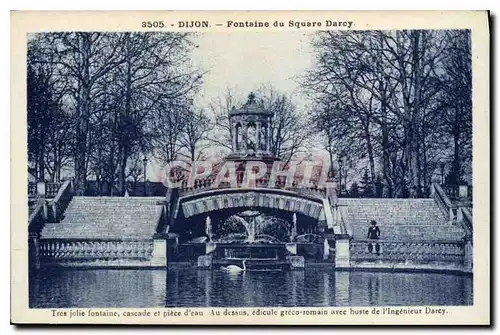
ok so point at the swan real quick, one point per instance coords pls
(234, 268)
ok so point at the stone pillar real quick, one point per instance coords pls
(433, 190)
(54, 211)
(244, 134)
(462, 191)
(40, 188)
(342, 252)
(45, 210)
(268, 139)
(258, 131)
(291, 248)
(451, 215)
(460, 215)
(159, 256)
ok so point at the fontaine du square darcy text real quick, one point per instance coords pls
(267, 24)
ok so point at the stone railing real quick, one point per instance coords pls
(61, 200)
(465, 216)
(443, 201)
(459, 215)
(38, 215)
(456, 192)
(67, 250)
(47, 190)
(418, 252)
(32, 189)
(342, 225)
(207, 184)
(51, 189)
(163, 218)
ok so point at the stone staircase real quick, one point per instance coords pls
(107, 218)
(399, 219)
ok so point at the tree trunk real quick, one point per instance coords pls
(456, 156)
(417, 108)
(41, 163)
(122, 164)
(386, 159)
(83, 117)
(369, 148)
(123, 151)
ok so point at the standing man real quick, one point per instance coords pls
(374, 234)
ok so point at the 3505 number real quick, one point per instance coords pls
(153, 24)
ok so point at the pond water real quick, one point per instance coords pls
(189, 287)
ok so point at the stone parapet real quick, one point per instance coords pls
(98, 252)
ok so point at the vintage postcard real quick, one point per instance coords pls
(321, 168)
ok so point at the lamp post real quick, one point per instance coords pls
(145, 161)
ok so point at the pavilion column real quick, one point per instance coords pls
(258, 130)
(268, 131)
(244, 134)
(234, 136)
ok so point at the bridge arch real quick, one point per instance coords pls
(278, 199)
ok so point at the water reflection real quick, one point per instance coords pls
(191, 287)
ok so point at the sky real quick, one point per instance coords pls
(244, 61)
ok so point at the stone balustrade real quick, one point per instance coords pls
(418, 252)
(206, 184)
(31, 189)
(49, 189)
(457, 191)
(71, 250)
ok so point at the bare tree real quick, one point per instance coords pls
(457, 100)
(390, 87)
(288, 127)
(81, 61)
(117, 88)
(194, 133)
(49, 128)
(220, 107)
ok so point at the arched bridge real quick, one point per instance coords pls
(311, 203)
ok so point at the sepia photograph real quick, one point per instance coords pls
(315, 166)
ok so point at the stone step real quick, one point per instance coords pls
(399, 219)
(107, 217)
